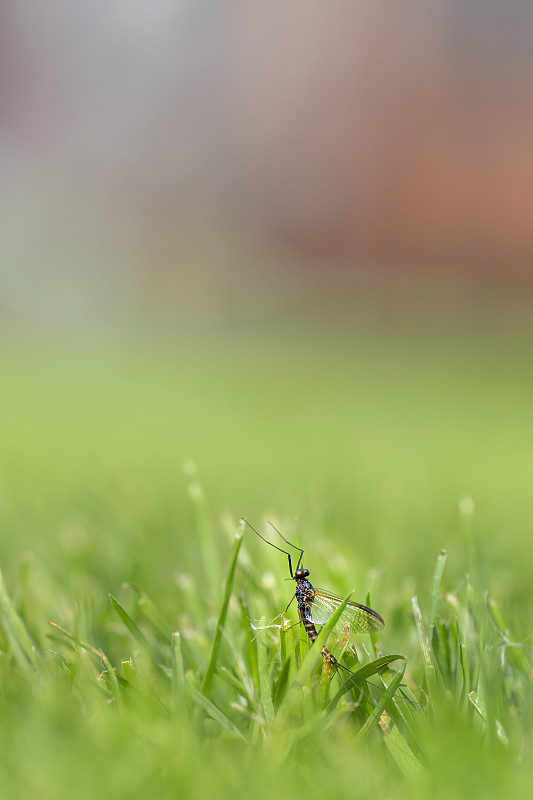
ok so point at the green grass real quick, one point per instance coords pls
(153, 679)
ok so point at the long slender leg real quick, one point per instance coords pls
(294, 625)
(290, 603)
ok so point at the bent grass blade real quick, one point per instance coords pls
(381, 704)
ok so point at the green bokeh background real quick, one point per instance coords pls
(370, 443)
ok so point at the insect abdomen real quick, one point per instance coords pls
(313, 635)
(310, 629)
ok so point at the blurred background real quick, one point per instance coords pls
(291, 246)
(159, 154)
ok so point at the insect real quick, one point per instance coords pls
(316, 606)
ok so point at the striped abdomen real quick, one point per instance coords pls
(313, 635)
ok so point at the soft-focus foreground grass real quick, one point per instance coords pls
(377, 454)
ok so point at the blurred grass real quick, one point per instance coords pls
(379, 452)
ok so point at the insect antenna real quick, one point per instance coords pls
(289, 543)
(276, 547)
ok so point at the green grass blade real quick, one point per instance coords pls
(282, 682)
(373, 636)
(76, 640)
(480, 707)
(132, 626)
(287, 641)
(109, 671)
(178, 676)
(363, 673)
(251, 646)
(464, 660)
(21, 644)
(208, 545)
(374, 667)
(151, 611)
(128, 671)
(20, 595)
(515, 652)
(402, 754)
(406, 708)
(243, 677)
(381, 704)
(324, 684)
(425, 647)
(214, 712)
(210, 671)
(435, 585)
(265, 680)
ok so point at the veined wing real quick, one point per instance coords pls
(355, 618)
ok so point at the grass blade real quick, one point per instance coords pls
(480, 707)
(205, 533)
(214, 712)
(374, 667)
(265, 680)
(435, 585)
(151, 611)
(108, 668)
(251, 646)
(178, 674)
(364, 672)
(20, 642)
(210, 671)
(425, 647)
(132, 626)
(402, 754)
(381, 704)
(287, 645)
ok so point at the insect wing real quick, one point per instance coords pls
(360, 619)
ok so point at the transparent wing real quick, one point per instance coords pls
(355, 617)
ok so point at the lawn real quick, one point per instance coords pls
(125, 468)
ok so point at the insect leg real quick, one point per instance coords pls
(290, 603)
